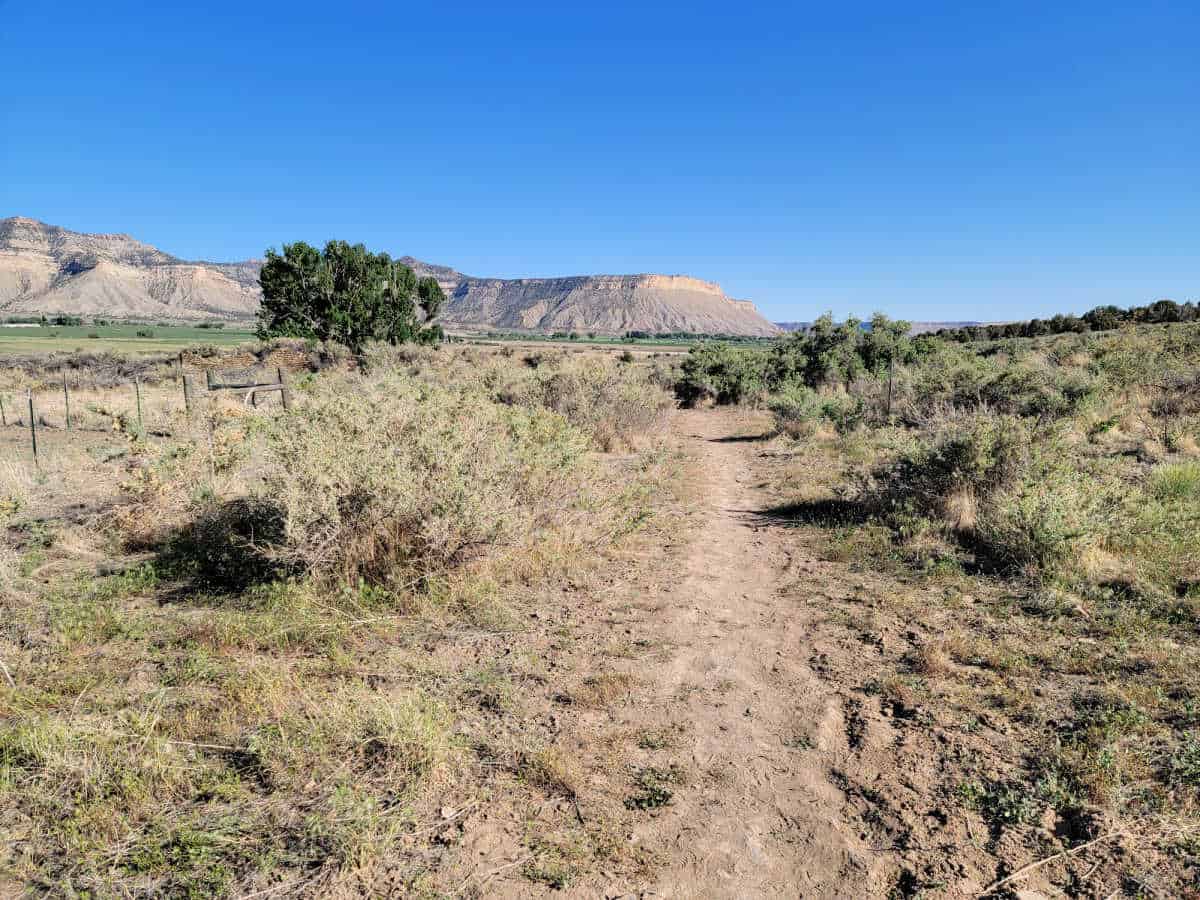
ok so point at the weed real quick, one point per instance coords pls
(654, 787)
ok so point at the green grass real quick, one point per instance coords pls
(122, 338)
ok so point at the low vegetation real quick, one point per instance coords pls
(255, 649)
(287, 649)
(1053, 483)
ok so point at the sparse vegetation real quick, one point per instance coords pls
(275, 680)
(253, 647)
(1052, 483)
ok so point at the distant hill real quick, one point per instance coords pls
(48, 269)
(917, 327)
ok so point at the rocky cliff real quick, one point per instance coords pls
(47, 269)
(607, 304)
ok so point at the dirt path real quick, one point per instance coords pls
(764, 817)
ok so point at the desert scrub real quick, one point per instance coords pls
(389, 479)
(615, 404)
(719, 373)
(799, 410)
(1009, 489)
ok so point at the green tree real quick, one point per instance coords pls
(346, 294)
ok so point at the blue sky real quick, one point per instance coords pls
(935, 161)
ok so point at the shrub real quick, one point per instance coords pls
(1180, 481)
(383, 480)
(1045, 520)
(796, 410)
(976, 455)
(1008, 489)
(721, 374)
(614, 404)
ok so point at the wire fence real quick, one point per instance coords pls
(134, 407)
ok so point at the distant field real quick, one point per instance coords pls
(123, 338)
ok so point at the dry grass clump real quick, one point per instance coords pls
(616, 404)
(388, 479)
(603, 689)
(933, 658)
(553, 770)
(16, 482)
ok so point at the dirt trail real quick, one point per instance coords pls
(765, 816)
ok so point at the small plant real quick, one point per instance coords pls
(654, 787)
(145, 332)
(655, 739)
(1184, 766)
(1001, 803)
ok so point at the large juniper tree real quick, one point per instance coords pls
(346, 294)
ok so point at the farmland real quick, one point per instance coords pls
(885, 615)
(119, 338)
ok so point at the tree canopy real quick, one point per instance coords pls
(348, 295)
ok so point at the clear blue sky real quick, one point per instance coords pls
(935, 161)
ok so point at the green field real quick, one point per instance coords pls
(120, 338)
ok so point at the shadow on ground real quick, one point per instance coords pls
(828, 513)
(743, 438)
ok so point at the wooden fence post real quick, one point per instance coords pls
(33, 430)
(208, 379)
(67, 400)
(3, 418)
(285, 393)
(187, 393)
(137, 387)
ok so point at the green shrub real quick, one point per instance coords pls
(977, 455)
(1178, 481)
(1011, 491)
(721, 374)
(1044, 520)
(796, 409)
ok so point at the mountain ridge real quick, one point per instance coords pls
(50, 269)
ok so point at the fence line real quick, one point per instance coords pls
(257, 381)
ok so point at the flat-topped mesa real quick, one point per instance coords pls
(48, 269)
(681, 283)
(605, 304)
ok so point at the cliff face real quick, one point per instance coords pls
(47, 269)
(607, 304)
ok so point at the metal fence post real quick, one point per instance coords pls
(33, 430)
